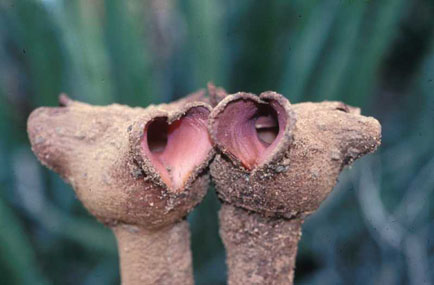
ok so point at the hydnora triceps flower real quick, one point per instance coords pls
(139, 171)
(276, 163)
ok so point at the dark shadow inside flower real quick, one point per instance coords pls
(176, 149)
(250, 130)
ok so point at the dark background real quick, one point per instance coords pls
(377, 226)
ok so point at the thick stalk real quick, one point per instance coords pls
(155, 257)
(260, 250)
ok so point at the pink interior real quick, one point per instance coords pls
(176, 149)
(250, 130)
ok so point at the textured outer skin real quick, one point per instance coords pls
(96, 150)
(155, 257)
(263, 207)
(260, 250)
(303, 169)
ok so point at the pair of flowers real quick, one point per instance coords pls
(140, 171)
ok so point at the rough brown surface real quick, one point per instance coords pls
(260, 250)
(319, 140)
(268, 191)
(215, 94)
(155, 257)
(97, 150)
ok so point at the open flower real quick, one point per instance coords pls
(139, 171)
(282, 159)
(276, 163)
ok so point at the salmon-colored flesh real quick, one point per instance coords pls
(250, 130)
(175, 150)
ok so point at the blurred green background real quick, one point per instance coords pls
(377, 226)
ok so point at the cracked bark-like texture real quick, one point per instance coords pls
(280, 161)
(129, 166)
(260, 250)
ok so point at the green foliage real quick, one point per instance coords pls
(378, 55)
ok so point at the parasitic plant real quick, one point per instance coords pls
(276, 163)
(138, 171)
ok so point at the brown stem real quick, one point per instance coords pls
(155, 257)
(260, 250)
